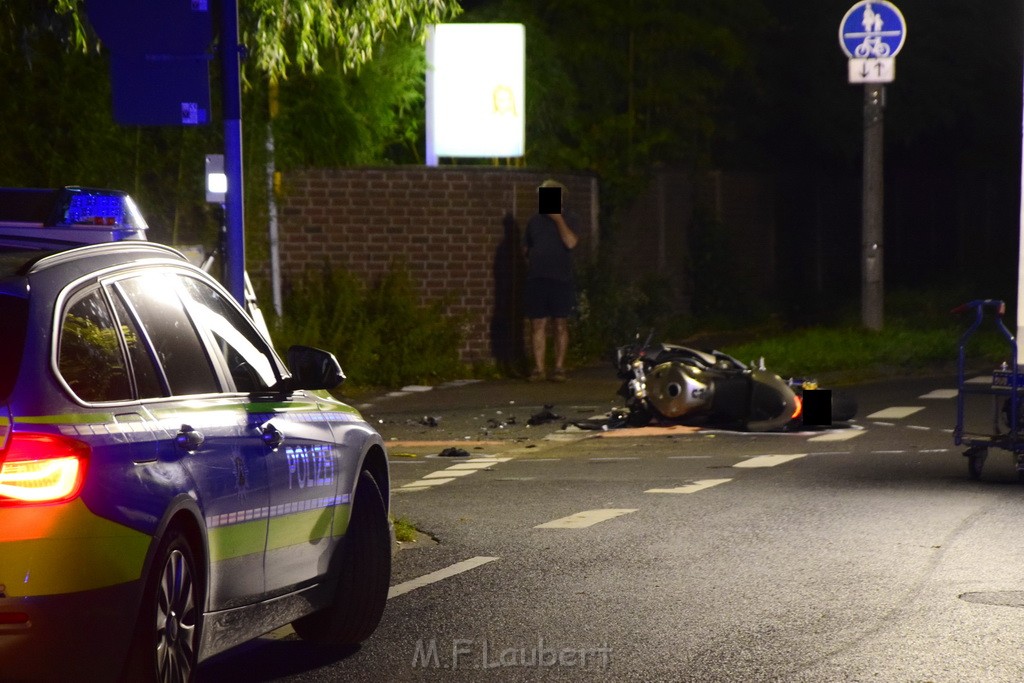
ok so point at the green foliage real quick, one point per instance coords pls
(405, 531)
(283, 36)
(382, 334)
(610, 313)
(340, 118)
(618, 86)
(64, 134)
(855, 353)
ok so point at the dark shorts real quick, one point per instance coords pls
(546, 298)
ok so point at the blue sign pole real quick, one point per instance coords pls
(234, 245)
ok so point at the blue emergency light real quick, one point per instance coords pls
(73, 215)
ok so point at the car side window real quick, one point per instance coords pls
(147, 379)
(90, 357)
(178, 348)
(242, 350)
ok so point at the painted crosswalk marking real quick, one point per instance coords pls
(452, 473)
(693, 487)
(425, 483)
(940, 393)
(586, 518)
(768, 460)
(895, 413)
(441, 474)
(844, 435)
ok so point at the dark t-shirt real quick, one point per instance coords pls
(546, 253)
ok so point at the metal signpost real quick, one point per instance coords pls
(871, 34)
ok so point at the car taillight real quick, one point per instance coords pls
(41, 468)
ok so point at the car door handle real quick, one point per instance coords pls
(189, 439)
(272, 436)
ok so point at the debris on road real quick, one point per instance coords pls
(544, 416)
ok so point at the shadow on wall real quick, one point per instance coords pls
(507, 342)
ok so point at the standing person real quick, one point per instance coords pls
(549, 292)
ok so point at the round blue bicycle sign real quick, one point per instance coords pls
(872, 29)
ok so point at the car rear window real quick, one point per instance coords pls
(14, 314)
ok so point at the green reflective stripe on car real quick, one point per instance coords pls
(67, 418)
(237, 540)
(299, 528)
(342, 515)
(54, 549)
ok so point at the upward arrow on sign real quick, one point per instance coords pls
(881, 70)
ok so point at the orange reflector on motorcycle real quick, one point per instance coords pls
(42, 468)
(799, 407)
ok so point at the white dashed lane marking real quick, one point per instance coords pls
(698, 485)
(843, 435)
(586, 518)
(768, 460)
(895, 413)
(940, 393)
(449, 473)
(439, 575)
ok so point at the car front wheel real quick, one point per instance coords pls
(364, 577)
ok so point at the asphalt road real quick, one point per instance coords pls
(861, 553)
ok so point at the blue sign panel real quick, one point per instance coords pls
(872, 29)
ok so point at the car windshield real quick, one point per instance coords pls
(14, 314)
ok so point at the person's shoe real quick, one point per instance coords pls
(558, 375)
(535, 376)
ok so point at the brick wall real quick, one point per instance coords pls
(456, 229)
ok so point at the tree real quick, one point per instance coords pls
(619, 86)
(55, 116)
(282, 36)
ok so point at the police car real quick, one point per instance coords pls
(168, 487)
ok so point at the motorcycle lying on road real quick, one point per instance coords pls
(672, 384)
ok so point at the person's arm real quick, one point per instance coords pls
(569, 238)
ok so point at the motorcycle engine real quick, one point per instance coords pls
(674, 389)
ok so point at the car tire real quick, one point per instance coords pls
(364, 576)
(172, 601)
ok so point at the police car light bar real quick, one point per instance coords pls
(70, 214)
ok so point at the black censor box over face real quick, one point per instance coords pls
(550, 199)
(818, 407)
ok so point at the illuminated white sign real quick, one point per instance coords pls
(475, 91)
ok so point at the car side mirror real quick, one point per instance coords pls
(313, 368)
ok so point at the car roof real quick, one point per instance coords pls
(18, 262)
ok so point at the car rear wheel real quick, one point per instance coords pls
(166, 642)
(364, 578)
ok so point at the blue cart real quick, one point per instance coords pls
(1004, 389)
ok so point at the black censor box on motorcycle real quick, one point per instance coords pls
(817, 407)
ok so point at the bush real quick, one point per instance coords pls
(381, 334)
